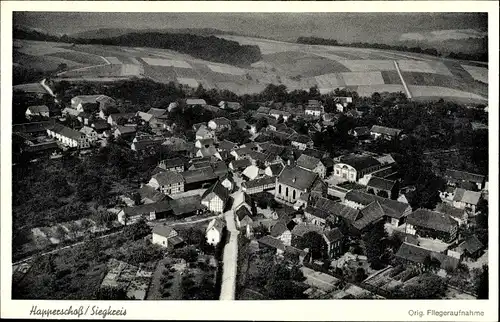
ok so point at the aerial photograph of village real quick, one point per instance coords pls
(249, 156)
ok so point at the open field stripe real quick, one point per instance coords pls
(402, 80)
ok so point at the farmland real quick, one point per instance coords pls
(297, 66)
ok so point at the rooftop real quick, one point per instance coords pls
(297, 178)
(432, 220)
(385, 130)
(307, 162)
(166, 178)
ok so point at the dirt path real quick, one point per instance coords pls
(228, 287)
(407, 90)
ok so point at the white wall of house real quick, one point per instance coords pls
(345, 172)
(214, 204)
(213, 236)
(286, 192)
(286, 238)
(163, 240)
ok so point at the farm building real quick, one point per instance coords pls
(168, 182)
(258, 185)
(421, 257)
(312, 164)
(103, 101)
(68, 136)
(150, 195)
(384, 132)
(219, 124)
(383, 187)
(113, 119)
(301, 142)
(173, 164)
(456, 178)
(191, 102)
(152, 211)
(166, 237)
(235, 106)
(37, 111)
(428, 223)
(124, 131)
(215, 198)
(466, 199)
(353, 167)
(471, 248)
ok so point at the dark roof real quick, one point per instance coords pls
(297, 178)
(168, 177)
(41, 146)
(258, 182)
(471, 245)
(156, 111)
(125, 129)
(385, 130)
(242, 212)
(100, 125)
(162, 230)
(307, 162)
(464, 176)
(392, 208)
(257, 156)
(158, 207)
(276, 168)
(141, 145)
(263, 109)
(186, 205)
(227, 145)
(272, 242)
(279, 228)
(302, 229)
(359, 162)
(221, 121)
(380, 183)
(67, 132)
(39, 109)
(334, 235)
(33, 126)
(327, 162)
(317, 212)
(418, 254)
(301, 138)
(148, 192)
(241, 123)
(368, 215)
(216, 223)
(116, 116)
(432, 220)
(314, 153)
(199, 175)
(172, 163)
(220, 168)
(361, 130)
(217, 189)
(240, 164)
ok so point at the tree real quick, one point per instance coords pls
(431, 263)
(360, 274)
(262, 123)
(260, 231)
(383, 194)
(482, 287)
(315, 243)
(136, 197)
(137, 230)
(426, 286)
(374, 247)
(111, 293)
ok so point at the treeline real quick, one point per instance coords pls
(204, 47)
(414, 49)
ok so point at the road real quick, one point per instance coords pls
(228, 287)
(407, 90)
(320, 280)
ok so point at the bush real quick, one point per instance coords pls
(166, 294)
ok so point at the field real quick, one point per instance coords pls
(297, 66)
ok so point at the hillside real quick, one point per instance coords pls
(103, 33)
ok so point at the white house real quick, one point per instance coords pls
(103, 101)
(215, 198)
(165, 236)
(466, 199)
(293, 182)
(68, 136)
(314, 108)
(219, 124)
(384, 132)
(214, 231)
(353, 168)
(251, 172)
(204, 132)
(38, 110)
(168, 182)
(90, 133)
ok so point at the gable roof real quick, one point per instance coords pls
(302, 229)
(432, 220)
(392, 208)
(316, 212)
(125, 129)
(156, 111)
(418, 254)
(158, 207)
(251, 172)
(168, 177)
(240, 164)
(471, 245)
(67, 132)
(227, 145)
(148, 192)
(271, 242)
(359, 163)
(144, 116)
(307, 162)
(100, 125)
(276, 168)
(217, 224)
(86, 130)
(296, 177)
(221, 121)
(185, 205)
(195, 101)
(334, 235)
(199, 175)
(162, 230)
(380, 183)
(259, 182)
(467, 196)
(114, 117)
(385, 130)
(172, 163)
(37, 109)
(361, 130)
(220, 168)
(216, 190)
(279, 228)
(263, 109)
(455, 175)
(241, 123)
(368, 215)
(301, 138)
(243, 212)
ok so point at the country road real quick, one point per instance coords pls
(228, 287)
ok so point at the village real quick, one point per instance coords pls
(248, 206)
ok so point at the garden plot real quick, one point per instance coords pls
(391, 77)
(134, 61)
(438, 91)
(478, 73)
(191, 82)
(227, 69)
(43, 63)
(113, 60)
(166, 62)
(363, 78)
(368, 90)
(416, 66)
(368, 65)
(131, 70)
(440, 68)
(79, 57)
(38, 48)
(330, 81)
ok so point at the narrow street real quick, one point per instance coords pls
(228, 287)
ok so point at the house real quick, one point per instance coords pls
(456, 178)
(153, 211)
(215, 198)
(235, 106)
(243, 218)
(241, 153)
(173, 164)
(314, 108)
(421, 257)
(187, 206)
(241, 199)
(342, 103)
(282, 230)
(204, 143)
(219, 124)
(361, 132)
(244, 125)
(155, 112)
(274, 169)
(471, 248)
(33, 128)
(301, 142)
(334, 240)
(466, 199)
(150, 195)
(384, 132)
(166, 237)
(316, 216)
(395, 212)
(168, 182)
(227, 181)
(302, 229)
(226, 146)
(103, 101)
(159, 123)
(208, 152)
(263, 110)
(312, 164)
(67, 111)
(113, 119)
(177, 146)
(220, 168)
(251, 172)
(292, 182)
(237, 165)
(258, 185)
(215, 231)
(124, 131)
(428, 223)
(90, 133)
(277, 113)
(100, 126)
(383, 187)
(145, 117)
(354, 167)
(191, 102)
(68, 137)
(273, 243)
(204, 132)
(37, 111)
